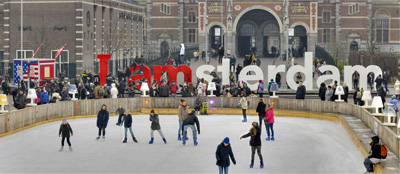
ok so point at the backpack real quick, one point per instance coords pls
(358, 96)
(383, 151)
(101, 91)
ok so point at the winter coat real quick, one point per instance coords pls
(269, 116)
(114, 91)
(82, 93)
(173, 88)
(379, 81)
(164, 91)
(185, 92)
(243, 103)
(346, 93)
(328, 94)
(20, 101)
(394, 102)
(255, 136)
(223, 153)
(301, 92)
(261, 109)
(183, 112)
(102, 118)
(155, 122)
(278, 78)
(191, 120)
(322, 91)
(182, 51)
(269, 85)
(120, 111)
(127, 120)
(198, 104)
(45, 97)
(375, 148)
(154, 92)
(65, 130)
(260, 88)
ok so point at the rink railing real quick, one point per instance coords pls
(21, 118)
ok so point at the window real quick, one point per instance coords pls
(382, 30)
(192, 35)
(326, 1)
(62, 61)
(326, 18)
(165, 9)
(271, 29)
(326, 35)
(24, 54)
(192, 15)
(247, 30)
(353, 9)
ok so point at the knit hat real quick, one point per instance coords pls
(260, 81)
(152, 111)
(226, 140)
(394, 96)
(64, 119)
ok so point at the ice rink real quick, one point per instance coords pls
(301, 146)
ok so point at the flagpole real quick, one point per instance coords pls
(22, 29)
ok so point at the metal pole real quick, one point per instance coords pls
(206, 24)
(287, 32)
(22, 29)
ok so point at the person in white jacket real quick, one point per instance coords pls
(244, 104)
(114, 91)
(182, 54)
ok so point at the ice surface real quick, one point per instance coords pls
(301, 146)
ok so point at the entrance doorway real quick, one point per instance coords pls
(353, 46)
(164, 49)
(299, 44)
(216, 38)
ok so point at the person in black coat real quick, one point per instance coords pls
(301, 91)
(65, 132)
(102, 120)
(127, 121)
(255, 143)
(322, 91)
(81, 92)
(224, 151)
(375, 154)
(121, 88)
(261, 112)
(189, 123)
(346, 92)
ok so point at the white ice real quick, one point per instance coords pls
(301, 146)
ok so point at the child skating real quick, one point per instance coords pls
(255, 143)
(127, 122)
(65, 132)
(120, 112)
(155, 126)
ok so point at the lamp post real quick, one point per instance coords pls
(286, 18)
(22, 29)
(206, 25)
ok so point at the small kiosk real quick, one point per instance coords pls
(39, 69)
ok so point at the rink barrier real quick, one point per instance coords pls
(16, 119)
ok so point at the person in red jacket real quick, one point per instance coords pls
(173, 88)
(269, 121)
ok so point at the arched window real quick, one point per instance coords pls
(192, 15)
(247, 30)
(382, 26)
(271, 29)
(326, 15)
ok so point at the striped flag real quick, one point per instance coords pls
(33, 72)
(37, 50)
(59, 51)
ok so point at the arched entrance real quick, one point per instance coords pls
(164, 49)
(299, 43)
(257, 32)
(353, 46)
(216, 37)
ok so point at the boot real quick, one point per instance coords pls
(165, 141)
(272, 138)
(251, 165)
(134, 140)
(61, 149)
(70, 148)
(195, 143)
(151, 141)
(244, 120)
(184, 142)
(104, 137)
(98, 138)
(179, 138)
(268, 138)
(125, 140)
(261, 165)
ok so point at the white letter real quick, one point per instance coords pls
(224, 69)
(259, 75)
(306, 70)
(273, 70)
(362, 80)
(334, 76)
(205, 68)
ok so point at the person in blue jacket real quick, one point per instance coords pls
(127, 122)
(393, 100)
(44, 96)
(102, 120)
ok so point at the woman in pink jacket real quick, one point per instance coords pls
(269, 122)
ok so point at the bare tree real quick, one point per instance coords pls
(42, 38)
(112, 38)
(371, 39)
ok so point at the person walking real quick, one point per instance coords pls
(120, 112)
(65, 132)
(322, 91)
(261, 112)
(378, 81)
(260, 89)
(224, 151)
(238, 70)
(385, 81)
(102, 121)
(278, 79)
(346, 92)
(255, 143)
(127, 121)
(269, 122)
(182, 114)
(301, 91)
(244, 104)
(356, 77)
(189, 123)
(155, 126)
(375, 154)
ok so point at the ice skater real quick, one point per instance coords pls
(102, 121)
(269, 122)
(261, 113)
(155, 126)
(127, 121)
(182, 114)
(120, 112)
(65, 132)
(189, 123)
(255, 143)
(244, 104)
(224, 151)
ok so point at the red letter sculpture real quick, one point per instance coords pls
(103, 67)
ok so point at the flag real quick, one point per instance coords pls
(37, 50)
(59, 51)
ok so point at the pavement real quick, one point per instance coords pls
(301, 146)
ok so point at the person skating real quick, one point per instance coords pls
(102, 121)
(255, 143)
(120, 112)
(182, 114)
(269, 122)
(261, 113)
(189, 123)
(244, 104)
(65, 132)
(127, 121)
(197, 106)
(224, 151)
(155, 125)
